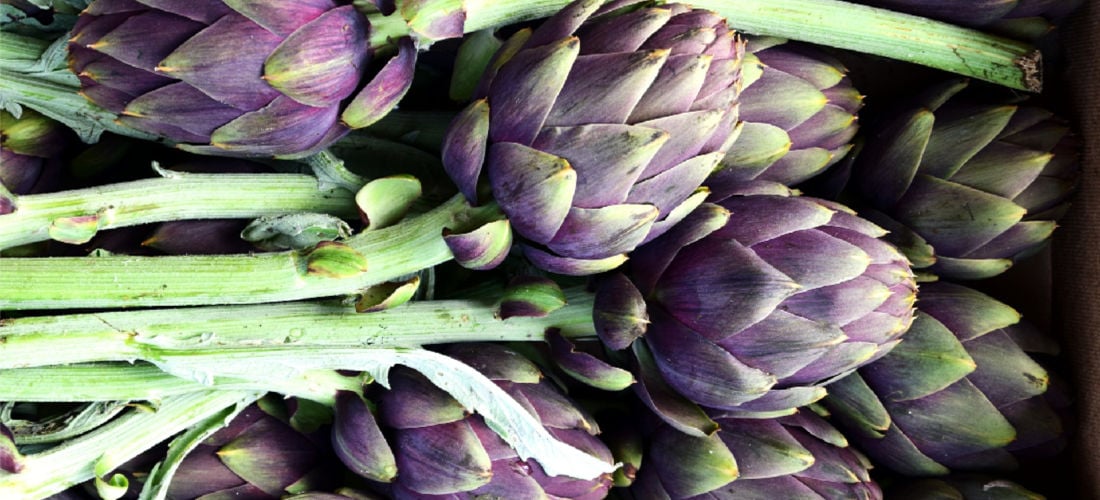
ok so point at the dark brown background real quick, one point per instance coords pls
(1076, 256)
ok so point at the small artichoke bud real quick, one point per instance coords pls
(30, 149)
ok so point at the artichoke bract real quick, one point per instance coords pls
(755, 304)
(234, 77)
(961, 393)
(443, 451)
(798, 111)
(595, 137)
(966, 186)
(798, 456)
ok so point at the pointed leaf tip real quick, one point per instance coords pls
(385, 90)
(483, 248)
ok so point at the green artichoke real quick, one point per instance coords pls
(966, 186)
(754, 304)
(242, 78)
(960, 394)
(798, 112)
(798, 456)
(595, 136)
(442, 450)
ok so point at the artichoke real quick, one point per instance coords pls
(798, 456)
(440, 449)
(754, 313)
(966, 187)
(30, 149)
(960, 394)
(256, 456)
(595, 137)
(242, 78)
(811, 130)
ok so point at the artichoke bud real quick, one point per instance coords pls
(961, 363)
(593, 142)
(215, 76)
(754, 314)
(30, 150)
(210, 236)
(440, 449)
(256, 455)
(968, 183)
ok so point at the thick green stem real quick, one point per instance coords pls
(75, 216)
(894, 35)
(837, 24)
(145, 382)
(138, 281)
(116, 442)
(298, 327)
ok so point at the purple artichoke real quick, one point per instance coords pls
(810, 130)
(242, 78)
(960, 394)
(595, 136)
(442, 451)
(754, 313)
(798, 456)
(30, 149)
(966, 186)
(256, 456)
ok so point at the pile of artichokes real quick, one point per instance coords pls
(590, 249)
